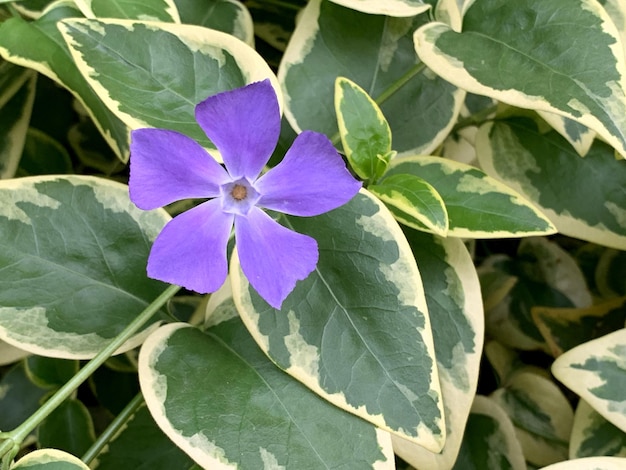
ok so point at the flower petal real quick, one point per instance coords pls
(244, 125)
(166, 166)
(191, 250)
(272, 257)
(311, 179)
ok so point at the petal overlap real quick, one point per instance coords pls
(273, 258)
(311, 179)
(244, 125)
(191, 250)
(167, 166)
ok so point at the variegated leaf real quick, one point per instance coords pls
(145, 10)
(364, 131)
(38, 45)
(566, 328)
(387, 7)
(455, 309)
(545, 169)
(541, 414)
(10, 354)
(43, 155)
(49, 459)
(155, 451)
(590, 463)
(20, 398)
(562, 56)
(542, 274)
(80, 248)
(610, 273)
(17, 94)
(580, 137)
(596, 371)
(143, 85)
(421, 108)
(69, 428)
(227, 406)
(478, 206)
(228, 16)
(592, 435)
(489, 442)
(413, 202)
(365, 303)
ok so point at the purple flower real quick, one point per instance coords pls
(244, 125)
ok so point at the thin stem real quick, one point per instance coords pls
(119, 422)
(21, 432)
(475, 119)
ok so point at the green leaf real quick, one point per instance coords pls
(364, 131)
(562, 56)
(592, 435)
(420, 107)
(387, 7)
(543, 274)
(225, 404)
(595, 370)
(80, 248)
(455, 308)
(579, 137)
(17, 94)
(478, 206)
(20, 397)
(38, 45)
(566, 328)
(146, 10)
(141, 444)
(541, 414)
(42, 155)
(545, 169)
(142, 84)
(47, 372)
(489, 441)
(69, 427)
(49, 459)
(413, 202)
(364, 299)
(228, 16)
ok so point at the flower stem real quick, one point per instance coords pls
(15, 437)
(119, 421)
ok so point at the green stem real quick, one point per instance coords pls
(23, 430)
(119, 421)
(475, 119)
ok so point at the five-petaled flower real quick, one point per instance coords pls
(244, 125)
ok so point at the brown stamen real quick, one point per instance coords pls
(239, 192)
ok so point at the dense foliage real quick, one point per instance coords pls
(467, 306)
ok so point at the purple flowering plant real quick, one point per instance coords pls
(244, 124)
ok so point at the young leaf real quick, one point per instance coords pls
(142, 84)
(478, 206)
(413, 202)
(80, 248)
(421, 108)
(227, 406)
(595, 370)
(364, 131)
(562, 56)
(42, 155)
(455, 308)
(364, 299)
(38, 45)
(545, 169)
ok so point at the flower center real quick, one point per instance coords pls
(239, 192)
(238, 197)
